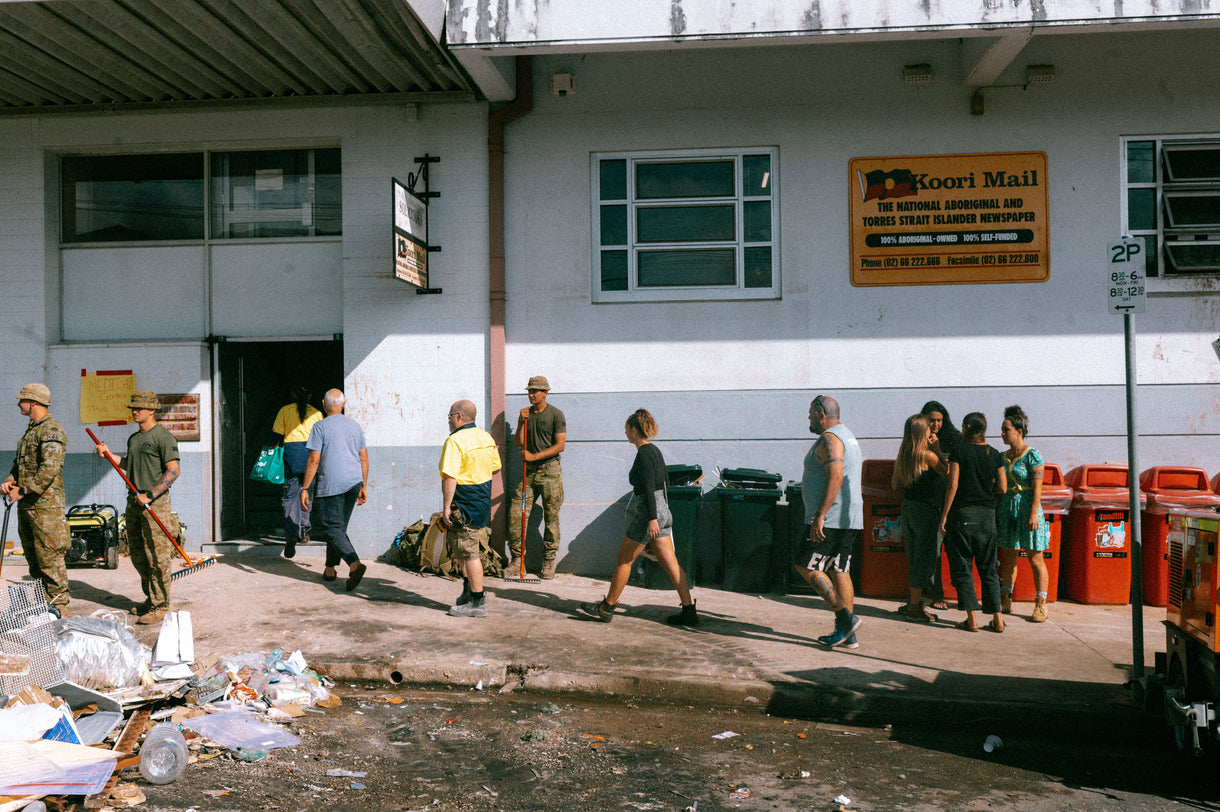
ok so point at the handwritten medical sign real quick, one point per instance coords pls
(105, 395)
(949, 219)
(410, 236)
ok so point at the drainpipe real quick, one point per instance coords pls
(500, 427)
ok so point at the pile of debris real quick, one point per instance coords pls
(81, 700)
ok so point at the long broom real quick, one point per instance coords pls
(525, 515)
(8, 506)
(191, 566)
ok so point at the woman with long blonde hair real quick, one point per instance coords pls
(916, 471)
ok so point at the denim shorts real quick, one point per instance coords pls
(637, 518)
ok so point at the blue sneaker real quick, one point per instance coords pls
(845, 637)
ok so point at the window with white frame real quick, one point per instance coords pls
(689, 225)
(253, 194)
(1172, 203)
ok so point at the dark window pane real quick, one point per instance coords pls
(687, 179)
(758, 220)
(1141, 209)
(687, 268)
(1150, 256)
(614, 225)
(1141, 162)
(328, 200)
(614, 270)
(1192, 257)
(758, 266)
(684, 224)
(253, 190)
(613, 180)
(756, 175)
(1184, 164)
(117, 198)
(1192, 210)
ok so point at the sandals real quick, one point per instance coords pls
(992, 626)
(968, 626)
(941, 605)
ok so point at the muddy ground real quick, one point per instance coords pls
(471, 750)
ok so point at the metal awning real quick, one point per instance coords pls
(74, 55)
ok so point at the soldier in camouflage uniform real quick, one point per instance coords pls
(36, 484)
(542, 432)
(152, 466)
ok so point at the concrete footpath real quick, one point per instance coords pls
(756, 651)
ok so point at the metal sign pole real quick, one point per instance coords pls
(1133, 522)
(1126, 294)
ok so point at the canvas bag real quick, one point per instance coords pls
(269, 467)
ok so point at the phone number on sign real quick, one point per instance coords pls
(950, 260)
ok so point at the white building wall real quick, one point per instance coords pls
(407, 357)
(560, 23)
(730, 382)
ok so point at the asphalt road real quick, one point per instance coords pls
(463, 749)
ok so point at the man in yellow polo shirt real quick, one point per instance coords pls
(469, 458)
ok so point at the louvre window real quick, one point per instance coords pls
(1173, 204)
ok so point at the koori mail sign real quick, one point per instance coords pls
(949, 219)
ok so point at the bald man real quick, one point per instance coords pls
(468, 461)
(339, 458)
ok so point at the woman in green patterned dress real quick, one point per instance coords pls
(1020, 525)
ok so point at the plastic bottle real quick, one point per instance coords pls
(34, 806)
(163, 756)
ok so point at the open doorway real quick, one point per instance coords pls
(255, 377)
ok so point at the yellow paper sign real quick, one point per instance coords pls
(105, 395)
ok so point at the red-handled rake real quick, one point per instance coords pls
(191, 566)
(524, 578)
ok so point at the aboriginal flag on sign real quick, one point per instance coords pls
(878, 185)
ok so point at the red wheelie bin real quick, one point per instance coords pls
(1169, 489)
(1099, 546)
(883, 560)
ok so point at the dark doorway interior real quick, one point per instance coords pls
(255, 377)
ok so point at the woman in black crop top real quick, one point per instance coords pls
(649, 522)
(976, 477)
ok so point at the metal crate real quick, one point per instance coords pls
(27, 629)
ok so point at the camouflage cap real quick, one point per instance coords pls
(144, 400)
(36, 392)
(538, 382)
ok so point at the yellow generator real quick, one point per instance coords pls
(96, 533)
(1192, 691)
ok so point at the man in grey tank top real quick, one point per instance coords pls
(834, 517)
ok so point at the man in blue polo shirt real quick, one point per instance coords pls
(339, 458)
(468, 461)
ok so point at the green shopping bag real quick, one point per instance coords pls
(270, 465)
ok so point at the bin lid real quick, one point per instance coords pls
(1091, 477)
(748, 477)
(1053, 485)
(1055, 492)
(1175, 489)
(1101, 485)
(683, 474)
(1165, 478)
(875, 476)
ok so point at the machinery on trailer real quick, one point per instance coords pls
(1191, 686)
(96, 533)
